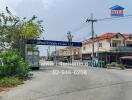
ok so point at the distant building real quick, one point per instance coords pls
(68, 52)
(43, 57)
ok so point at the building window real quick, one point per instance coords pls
(74, 51)
(100, 44)
(130, 38)
(110, 44)
(114, 44)
(117, 36)
(84, 48)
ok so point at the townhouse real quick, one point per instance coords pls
(108, 47)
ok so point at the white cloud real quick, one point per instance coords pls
(3, 5)
(49, 3)
(13, 3)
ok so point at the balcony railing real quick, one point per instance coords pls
(121, 49)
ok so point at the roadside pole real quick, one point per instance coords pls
(70, 37)
(81, 55)
(92, 20)
(48, 53)
(55, 60)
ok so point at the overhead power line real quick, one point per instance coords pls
(102, 19)
(115, 18)
(83, 25)
(121, 18)
(79, 28)
(83, 37)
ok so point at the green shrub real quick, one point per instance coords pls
(120, 66)
(10, 82)
(113, 64)
(108, 66)
(14, 65)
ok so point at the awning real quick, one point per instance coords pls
(126, 57)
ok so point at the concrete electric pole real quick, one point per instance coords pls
(70, 37)
(92, 20)
(55, 57)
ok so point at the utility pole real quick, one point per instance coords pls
(92, 20)
(70, 37)
(49, 51)
(55, 55)
(47, 54)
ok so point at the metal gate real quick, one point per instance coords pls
(54, 62)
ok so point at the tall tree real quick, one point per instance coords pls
(14, 31)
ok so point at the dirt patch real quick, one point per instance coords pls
(2, 89)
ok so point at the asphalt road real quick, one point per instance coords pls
(96, 84)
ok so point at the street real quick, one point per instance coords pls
(97, 84)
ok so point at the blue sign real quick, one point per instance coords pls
(117, 11)
(55, 43)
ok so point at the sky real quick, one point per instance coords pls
(61, 16)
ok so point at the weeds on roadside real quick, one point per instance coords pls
(14, 70)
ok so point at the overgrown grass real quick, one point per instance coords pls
(14, 65)
(14, 69)
(7, 82)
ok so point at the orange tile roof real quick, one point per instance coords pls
(102, 37)
(126, 36)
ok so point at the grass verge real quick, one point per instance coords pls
(8, 82)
